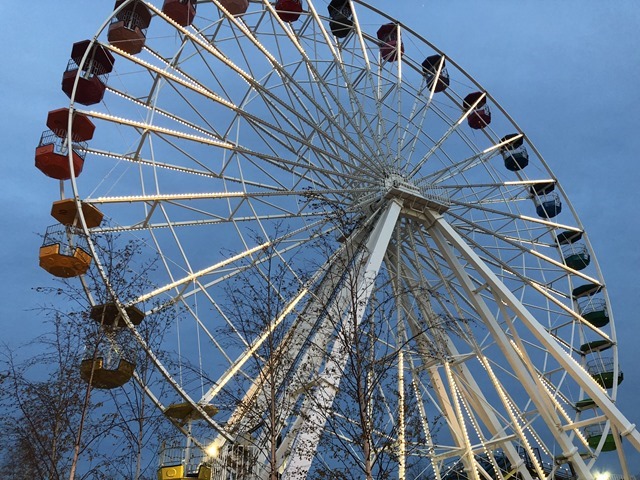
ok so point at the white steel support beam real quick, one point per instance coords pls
(293, 346)
(577, 372)
(317, 404)
(479, 402)
(445, 237)
(402, 337)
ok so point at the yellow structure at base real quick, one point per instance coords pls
(171, 473)
(178, 472)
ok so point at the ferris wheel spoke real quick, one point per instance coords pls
(265, 127)
(147, 225)
(228, 269)
(326, 160)
(421, 257)
(350, 83)
(471, 393)
(173, 198)
(371, 88)
(273, 159)
(209, 130)
(306, 96)
(505, 214)
(519, 249)
(542, 401)
(442, 337)
(420, 109)
(292, 346)
(560, 355)
(205, 172)
(452, 129)
(325, 104)
(461, 166)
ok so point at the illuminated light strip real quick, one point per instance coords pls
(459, 168)
(501, 144)
(205, 92)
(445, 136)
(253, 348)
(545, 383)
(545, 222)
(529, 182)
(320, 79)
(216, 195)
(468, 451)
(282, 73)
(476, 427)
(195, 223)
(561, 265)
(170, 197)
(250, 80)
(116, 156)
(156, 129)
(575, 315)
(164, 73)
(200, 273)
(210, 174)
(206, 45)
(514, 418)
(542, 288)
(244, 114)
(158, 111)
(511, 183)
(218, 143)
(477, 206)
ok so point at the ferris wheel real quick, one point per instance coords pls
(372, 269)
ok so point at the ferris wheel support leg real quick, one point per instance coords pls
(412, 284)
(595, 392)
(477, 399)
(446, 238)
(317, 404)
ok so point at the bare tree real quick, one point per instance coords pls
(43, 403)
(59, 425)
(257, 298)
(364, 339)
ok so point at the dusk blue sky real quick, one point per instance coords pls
(567, 72)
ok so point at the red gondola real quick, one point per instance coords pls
(92, 75)
(128, 27)
(180, 11)
(480, 116)
(52, 152)
(390, 44)
(289, 10)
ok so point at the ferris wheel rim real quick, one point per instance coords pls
(493, 102)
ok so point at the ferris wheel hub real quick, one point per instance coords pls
(416, 198)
